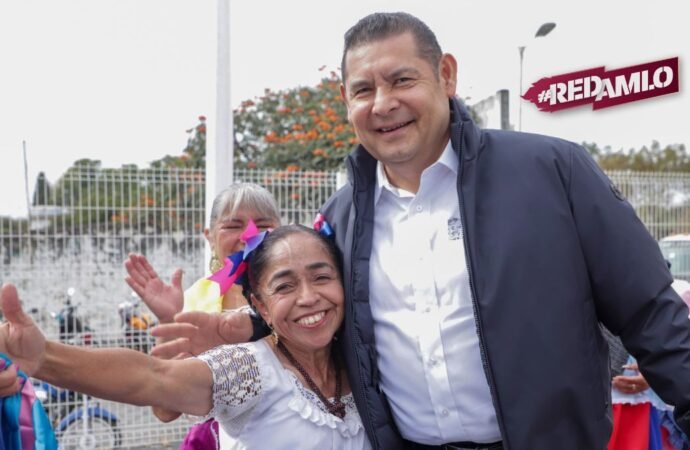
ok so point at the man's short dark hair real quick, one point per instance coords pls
(378, 26)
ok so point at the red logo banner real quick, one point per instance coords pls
(605, 88)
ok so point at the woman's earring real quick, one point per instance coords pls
(274, 335)
(215, 265)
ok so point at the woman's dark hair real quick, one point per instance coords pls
(260, 257)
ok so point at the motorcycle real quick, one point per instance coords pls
(78, 421)
(135, 324)
(71, 327)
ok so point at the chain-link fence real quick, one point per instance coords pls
(81, 228)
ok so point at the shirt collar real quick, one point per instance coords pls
(448, 159)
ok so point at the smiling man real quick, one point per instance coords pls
(478, 265)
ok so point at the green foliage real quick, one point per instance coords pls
(671, 158)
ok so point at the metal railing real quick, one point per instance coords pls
(82, 227)
(78, 234)
(661, 200)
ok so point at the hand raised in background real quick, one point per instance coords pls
(164, 300)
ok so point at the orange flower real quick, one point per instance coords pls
(251, 165)
(292, 168)
(318, 152)
(295, 196)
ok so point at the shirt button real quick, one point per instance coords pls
(427, 308)
(433, 361)
(444, 412)
(419, 208)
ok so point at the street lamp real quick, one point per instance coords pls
(543, 30)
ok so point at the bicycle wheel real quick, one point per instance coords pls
(100, 433)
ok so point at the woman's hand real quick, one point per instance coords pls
(164, 300)
(194, 332)
(20, 339)
(630, 384)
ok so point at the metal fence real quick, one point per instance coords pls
(78, 233)
(661, 200)
(81, 228)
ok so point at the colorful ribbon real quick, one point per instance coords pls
(207, 293)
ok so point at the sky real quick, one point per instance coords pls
(121, 80)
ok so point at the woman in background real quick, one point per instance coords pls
(233, 209)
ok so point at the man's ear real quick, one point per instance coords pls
(343, 95)
(261, 307)
(448, 73)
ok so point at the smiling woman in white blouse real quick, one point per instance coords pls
(288, 390)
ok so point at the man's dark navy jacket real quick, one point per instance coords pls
(552, 249)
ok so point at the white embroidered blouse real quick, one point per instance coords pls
(260, 404)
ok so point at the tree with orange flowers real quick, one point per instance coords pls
(303, 126)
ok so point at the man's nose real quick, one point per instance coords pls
(384, 101)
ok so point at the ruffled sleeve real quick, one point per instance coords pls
(237, 381)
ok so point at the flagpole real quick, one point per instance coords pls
(219, 149)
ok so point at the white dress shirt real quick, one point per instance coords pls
(426, 337)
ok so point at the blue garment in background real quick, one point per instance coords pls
(24, 424)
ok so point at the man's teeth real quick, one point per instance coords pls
(385, 130)
(310, 320)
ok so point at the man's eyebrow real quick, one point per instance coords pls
(403, 71)
(357, 84)
(397, 73)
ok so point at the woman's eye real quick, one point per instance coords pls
(282, 288)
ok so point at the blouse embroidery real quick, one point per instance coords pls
(236, 379)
